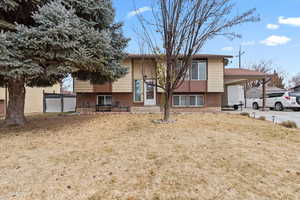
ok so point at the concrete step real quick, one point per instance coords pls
(145, 109)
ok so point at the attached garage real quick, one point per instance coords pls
(237, 76)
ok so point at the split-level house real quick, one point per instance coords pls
(202, 90)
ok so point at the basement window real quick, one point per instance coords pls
(188, 100)
(104, 100)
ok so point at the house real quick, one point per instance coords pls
(33, 99)
(296, 88)
(204, 90)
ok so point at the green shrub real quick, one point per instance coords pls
(289, 124)
(245, 114)
(262, 118)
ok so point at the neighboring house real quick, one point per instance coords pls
(297, 88)
(33, 98)
(203, 90)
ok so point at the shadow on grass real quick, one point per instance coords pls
(43, 123)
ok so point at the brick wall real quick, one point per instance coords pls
(212, 100)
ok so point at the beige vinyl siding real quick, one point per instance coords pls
(143, 67)
(34, 97)
(83, 86)
(159, 90)
(124, 84)
(215, 75)
(2, 93)
(147, 65)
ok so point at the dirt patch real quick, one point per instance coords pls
(201, 156)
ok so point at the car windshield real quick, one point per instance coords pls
(294, 94)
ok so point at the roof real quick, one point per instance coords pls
(197, 56)
(297, 86)
(237, 72)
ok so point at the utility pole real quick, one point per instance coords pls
(240, 66)
(240, 56)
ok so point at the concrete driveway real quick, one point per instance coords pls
(277, 116)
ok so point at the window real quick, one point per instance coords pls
(274, 95)
(294, 94)
(176, 100)
(138, 90)
(198, 70)
(195, 71)
(202, 70)
(104, 100)
(188, 100)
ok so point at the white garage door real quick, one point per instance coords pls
(69, 104)
(53, 105)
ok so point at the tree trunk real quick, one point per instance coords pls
(16, 102)
(168, 91)
(167, 106)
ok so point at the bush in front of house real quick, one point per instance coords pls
(289, 124)
(245, 114)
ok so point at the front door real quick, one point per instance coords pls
(149, 93)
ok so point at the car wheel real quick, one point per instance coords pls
(235, 107)
(278, 107)
(255, 106)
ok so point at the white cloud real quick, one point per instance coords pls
(289, 21)
(138, 11)
(248, 43)
(272, 26)
(275, 40)
(227, 49)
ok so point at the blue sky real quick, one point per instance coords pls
(276, 37)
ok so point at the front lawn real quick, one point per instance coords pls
(201, 156)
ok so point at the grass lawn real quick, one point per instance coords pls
(127, 157)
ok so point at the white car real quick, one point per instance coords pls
(279, 101)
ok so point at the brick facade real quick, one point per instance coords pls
(212, 101)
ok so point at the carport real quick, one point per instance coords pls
(237, 76)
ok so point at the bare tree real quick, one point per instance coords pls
(179, 29)
(268, 67)
(295, 81)
(265, 66)
(278, 79)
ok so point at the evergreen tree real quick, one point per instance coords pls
(63, 36)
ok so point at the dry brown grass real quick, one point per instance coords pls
(201, 156)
